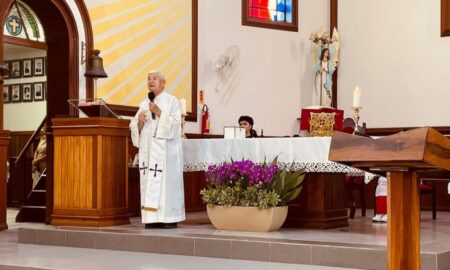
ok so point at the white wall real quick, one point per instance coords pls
(394, 52)
(25, 116)
(274, 72)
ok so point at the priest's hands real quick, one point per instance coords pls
(154, 109)
(141, 119)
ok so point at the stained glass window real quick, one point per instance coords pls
(277, 14)
(22, 22)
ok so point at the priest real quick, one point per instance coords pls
(156, 130)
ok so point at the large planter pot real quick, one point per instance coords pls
(241, 218)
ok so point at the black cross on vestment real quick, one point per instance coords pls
(143, 168)
(155, 170)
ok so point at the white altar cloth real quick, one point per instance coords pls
(310, 153)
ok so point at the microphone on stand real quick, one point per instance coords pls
(151, 97)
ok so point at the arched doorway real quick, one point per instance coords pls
(62, 65)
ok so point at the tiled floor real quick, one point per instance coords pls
(23, 256)
(435, 237)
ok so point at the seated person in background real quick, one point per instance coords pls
(381, 201)
(39, 162)
(246, 122)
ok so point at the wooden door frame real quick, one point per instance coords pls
(62, 65)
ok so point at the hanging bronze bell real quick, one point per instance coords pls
(94, 66)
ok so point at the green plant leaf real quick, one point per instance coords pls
(294, 179)
(291, 195)
(274, 161)
(279, 183)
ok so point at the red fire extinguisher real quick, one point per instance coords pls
(205, 119)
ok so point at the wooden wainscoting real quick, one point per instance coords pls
(4, 140)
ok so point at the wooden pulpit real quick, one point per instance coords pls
(90, 172)
(4, 141)
(403, 156)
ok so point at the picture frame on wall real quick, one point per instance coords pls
(16, 95)
(27, 68)
(39, 66)
(8, 65)
(27, 92)
(38, 93)
(15, 70)
(6, 98)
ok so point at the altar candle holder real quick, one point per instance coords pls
(356, 111)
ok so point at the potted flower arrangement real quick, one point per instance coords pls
(245, 196)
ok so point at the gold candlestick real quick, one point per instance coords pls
(356, 117)
(183, 122)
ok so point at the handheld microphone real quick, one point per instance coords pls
(151, 96)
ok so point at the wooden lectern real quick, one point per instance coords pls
(90, 172)
(403, 156)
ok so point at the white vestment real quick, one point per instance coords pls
(381, 189)
(160, 161)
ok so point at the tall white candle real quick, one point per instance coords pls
(357, 97)
(183, 106)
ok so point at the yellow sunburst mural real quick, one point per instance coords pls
(136, 36)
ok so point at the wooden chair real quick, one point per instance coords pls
(355, 183)
(352, 184)
(427, 188)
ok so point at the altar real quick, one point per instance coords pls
(321, 204)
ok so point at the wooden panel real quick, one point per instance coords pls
(194, 182)
(20, 182)
(437, 150)
(115, 165)
(4, 140)
(73, 179)
(18, 141)
(404, 221)
(90, 181)
(394, 130)
(419, 148)
(334, 24)
(445, 18)
(321, 204)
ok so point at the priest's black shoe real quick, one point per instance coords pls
(157, 225)
(170, 225)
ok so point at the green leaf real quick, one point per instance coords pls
(274, 161)
(291, 195)
(279, 183)
(294, 179)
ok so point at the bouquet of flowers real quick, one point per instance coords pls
(245, 183)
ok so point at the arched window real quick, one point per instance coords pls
(275, 14)
(23, 23)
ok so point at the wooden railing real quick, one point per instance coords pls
(30, 142)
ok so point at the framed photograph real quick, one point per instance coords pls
(27, 92)
(15, 93)
(6, 98)
(8, 65)
(15, 69)
(38, 93)
(39, 66)
(27, 68)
